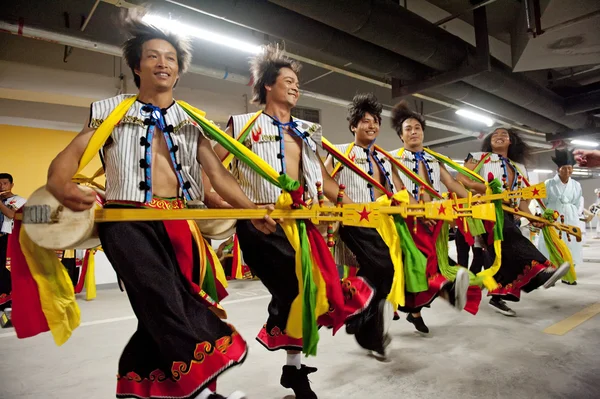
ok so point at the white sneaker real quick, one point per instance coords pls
(461, 285)
(557, 275)
(237, 395)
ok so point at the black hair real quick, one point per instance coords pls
(402, 112)
(364, 103)
(264, 69)
(142, 32)
(518, 150)
(7, 176)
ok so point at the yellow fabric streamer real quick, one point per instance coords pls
(202, 250)
(262, 164)
(90, 276)
(387, 231)
(487, 275)
(57, 295)
(82, 179)
(104, 131)
(290, 228)
(339, 164)
(229, 158)
(562, 247)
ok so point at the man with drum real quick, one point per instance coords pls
(154, 158)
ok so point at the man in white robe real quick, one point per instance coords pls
(563, 194)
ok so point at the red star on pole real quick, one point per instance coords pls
(364, 215)
(442, 210)
(536, 192)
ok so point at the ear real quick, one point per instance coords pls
(268, 88)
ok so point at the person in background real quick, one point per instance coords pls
(564, 195)
(9, 204)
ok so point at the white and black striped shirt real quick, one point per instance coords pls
(407, 158)
(357, 189)
(124, 154)
(494, 166)
(264, 141)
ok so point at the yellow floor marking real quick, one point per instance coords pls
(566, 325)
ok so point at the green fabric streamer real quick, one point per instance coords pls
(310, 332)
(208, 285)
(415, 263)
(448, 271)
(555, 256)
(217, 135)
(476, 227)
(496, 188)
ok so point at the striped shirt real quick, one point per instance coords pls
(357, 189)
(407, 158)
(494, 165)
(264, 141)
(125, 156)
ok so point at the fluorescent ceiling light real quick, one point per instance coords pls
(542, 171)
(475, 116)
(584, 143)
(187, 30)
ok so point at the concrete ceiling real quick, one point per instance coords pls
(103, 27)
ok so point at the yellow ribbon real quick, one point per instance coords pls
(387, 231)
(229, 158)
(337, 167)
(57, 295)
(90, 275)
(290, 228)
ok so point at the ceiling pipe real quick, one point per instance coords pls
(62, 39)
(386, 24)
(302, 30)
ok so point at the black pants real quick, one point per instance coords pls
(5, 281)
(376, 266)
(174, 326)
(373, 257)
(272, 259)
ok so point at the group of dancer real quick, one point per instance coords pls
(156, 156)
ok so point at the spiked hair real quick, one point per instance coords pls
(141, 32)
(362, 104)
(264, 69)
(563, 157)
(402, 112)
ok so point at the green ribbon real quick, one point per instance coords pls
(415, 263)
(447, 270)
(555, 256)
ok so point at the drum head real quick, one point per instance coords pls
(217, 229)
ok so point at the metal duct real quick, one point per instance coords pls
(379, 21)
(391, 26)
(283, 23)
(302, 30)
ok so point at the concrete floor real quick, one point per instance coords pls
(483, 356)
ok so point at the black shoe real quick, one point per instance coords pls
(396, 316)
(297, 380)
(569, 283)
(235, 395)
(500, 306)
(418, 322)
